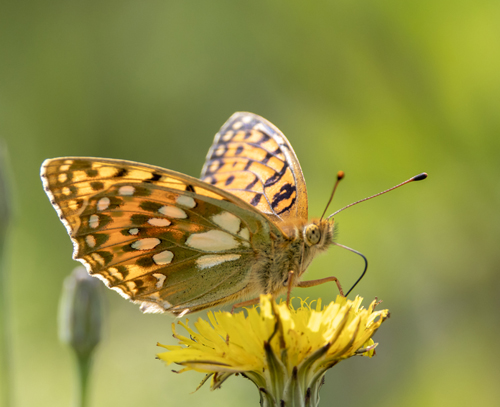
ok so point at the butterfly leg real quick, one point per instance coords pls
(312, 283)
(247, 303)
(290, 285)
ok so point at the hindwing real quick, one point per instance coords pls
(253, 160)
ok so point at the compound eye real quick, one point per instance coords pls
(312, 234)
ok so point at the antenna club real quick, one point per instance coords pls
(420, 177)
(341, 175)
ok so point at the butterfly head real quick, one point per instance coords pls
(318, 234)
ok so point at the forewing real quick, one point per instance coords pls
(160, 238)
(253, 160)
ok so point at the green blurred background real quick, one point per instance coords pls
(380, 89)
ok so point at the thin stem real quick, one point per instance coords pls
(5, 344)
(5, 359)
(84, 364)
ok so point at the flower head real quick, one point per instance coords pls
(284, 351)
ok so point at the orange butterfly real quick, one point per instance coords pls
(171, 242)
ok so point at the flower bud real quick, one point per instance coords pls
(80, 312)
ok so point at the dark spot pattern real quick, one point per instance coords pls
(154, 177)
(96, 185)
(138, 219)
(252, 184)
(276, 177)
(149, 206)
(100, 238)
(80, 165)
(256, 199)
(115, 202)
(107, 256)
(121, 173)
(128, 248)
(286, 192)
(146, 261)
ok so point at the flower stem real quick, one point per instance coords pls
(5, 360)
(83, 366)
(5, 217)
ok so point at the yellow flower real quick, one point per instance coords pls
(284, 351)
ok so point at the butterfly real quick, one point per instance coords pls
(174, 243)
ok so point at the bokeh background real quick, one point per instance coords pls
(380, 89)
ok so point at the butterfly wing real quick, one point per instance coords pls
(253, 160)
(160, 238)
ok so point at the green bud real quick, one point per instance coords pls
(80, 312)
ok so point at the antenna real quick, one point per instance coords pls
(340, 175)
(418, 177)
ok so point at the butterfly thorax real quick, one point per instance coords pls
(294, 251)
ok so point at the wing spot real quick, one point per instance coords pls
(227, 221)
(96, 185)
(94, 221)
(213, 260)
(229, 180)
(239, 150)
(62, 177)
(164, 257)
(133, 231)
(75, 204)
(215, 166)
(172, 212)
(98, 258)
(212, 241)
(161, 279)
(103, 204)
(186, 201)
(90, 241)
(228, 135)
(237, 125)
(127, 190)
(260, 127)
(64, 167)
(159, 222)
(146, 244)
(115, 273)
(66, 191)
(219, 151)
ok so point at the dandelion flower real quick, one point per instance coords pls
(284, 351)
